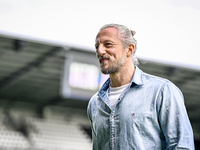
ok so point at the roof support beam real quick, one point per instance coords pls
(35, 63)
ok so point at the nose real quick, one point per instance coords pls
(101, 50)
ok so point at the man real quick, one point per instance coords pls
(134, 110)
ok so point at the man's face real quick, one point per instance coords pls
(110, 51)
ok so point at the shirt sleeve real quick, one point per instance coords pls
(173, 118)
(92, 128)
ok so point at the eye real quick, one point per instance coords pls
(96, 46)
(108, 44)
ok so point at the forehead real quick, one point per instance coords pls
(110, 33)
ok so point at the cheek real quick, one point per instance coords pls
(121, 56)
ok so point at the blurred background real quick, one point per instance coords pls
(49, 70)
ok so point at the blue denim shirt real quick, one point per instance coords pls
(149, 115)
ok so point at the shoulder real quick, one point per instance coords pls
(145, 79)
(92, 100)
(152, 78)
(94, 97)
(158, 81)
(167, 92)
(163, 85)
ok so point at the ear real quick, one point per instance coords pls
(130, 50)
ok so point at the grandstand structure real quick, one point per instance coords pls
(34, 114)
(60, 129)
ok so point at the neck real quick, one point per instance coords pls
(123, 76)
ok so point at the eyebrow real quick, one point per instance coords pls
(104, 41)
(108, 41)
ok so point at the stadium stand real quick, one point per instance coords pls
(54, 132)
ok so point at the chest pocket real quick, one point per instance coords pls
(142, 122)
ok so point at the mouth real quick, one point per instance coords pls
(103, 60)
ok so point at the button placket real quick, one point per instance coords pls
(112, 129)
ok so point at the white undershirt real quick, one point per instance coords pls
(114, 93)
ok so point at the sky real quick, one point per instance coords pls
(167, 31)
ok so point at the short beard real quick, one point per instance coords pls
(113, 69)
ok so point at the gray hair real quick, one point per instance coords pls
(126, 36)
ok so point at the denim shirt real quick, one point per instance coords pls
(149, 115)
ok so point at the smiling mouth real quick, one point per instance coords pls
(103, 60)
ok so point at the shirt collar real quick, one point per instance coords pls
(137, 79)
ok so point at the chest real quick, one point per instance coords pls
(133, 109)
